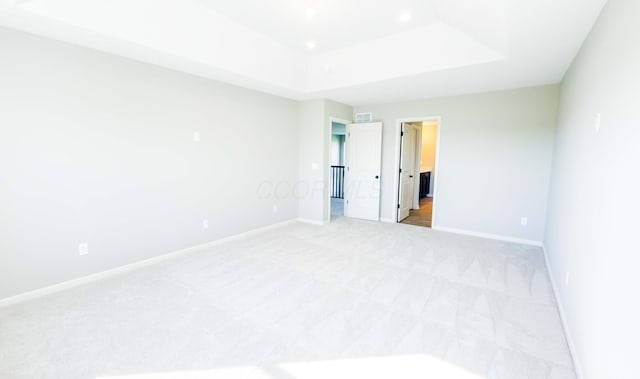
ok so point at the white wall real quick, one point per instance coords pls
(592, 228)
(495, 157)
(99, 149)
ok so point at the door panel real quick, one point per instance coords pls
(362, 176)
(407, 166)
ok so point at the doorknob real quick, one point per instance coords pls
(377, 176)
(411, 176)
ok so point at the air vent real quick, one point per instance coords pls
(364, 117)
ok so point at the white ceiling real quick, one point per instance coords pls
(335, 24)
(363, 53)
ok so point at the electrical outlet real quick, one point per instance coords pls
(83, 248)
(196, 136)
(205, 224)
(566, 278)
(524, 221)
(275, 208)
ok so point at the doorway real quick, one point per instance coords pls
(337, 157)
(416, 182)
(354, 159)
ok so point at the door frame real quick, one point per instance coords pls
(327, 165)
(398, 150)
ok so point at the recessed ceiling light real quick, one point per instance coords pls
(310, 12)
(405, 16)
(311, 45)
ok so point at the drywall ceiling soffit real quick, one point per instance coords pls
(363, 52)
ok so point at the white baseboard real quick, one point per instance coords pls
(312, 222)
(388, 220)
(488, 236)
(572, 349)
(133, 266)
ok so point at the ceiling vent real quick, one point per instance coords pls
(364, 117)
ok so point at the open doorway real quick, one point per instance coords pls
(417, 171)
(337, 188)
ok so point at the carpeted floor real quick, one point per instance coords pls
(346, 300)
(422, 216)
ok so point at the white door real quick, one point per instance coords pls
(362, 176)
(407, 170)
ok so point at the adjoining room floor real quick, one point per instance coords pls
(350, 299)
(422, 216)
(337, 207)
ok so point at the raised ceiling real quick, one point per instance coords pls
(334, 24)
(362, 51)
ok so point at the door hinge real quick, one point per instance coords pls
(401, 134)
(401, 171)
(398, 206)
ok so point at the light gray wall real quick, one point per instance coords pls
(337, 149)
(99, 149)
(309, 190)
(313, 188)
(338, 128)
(494, 158)
(592, 228)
